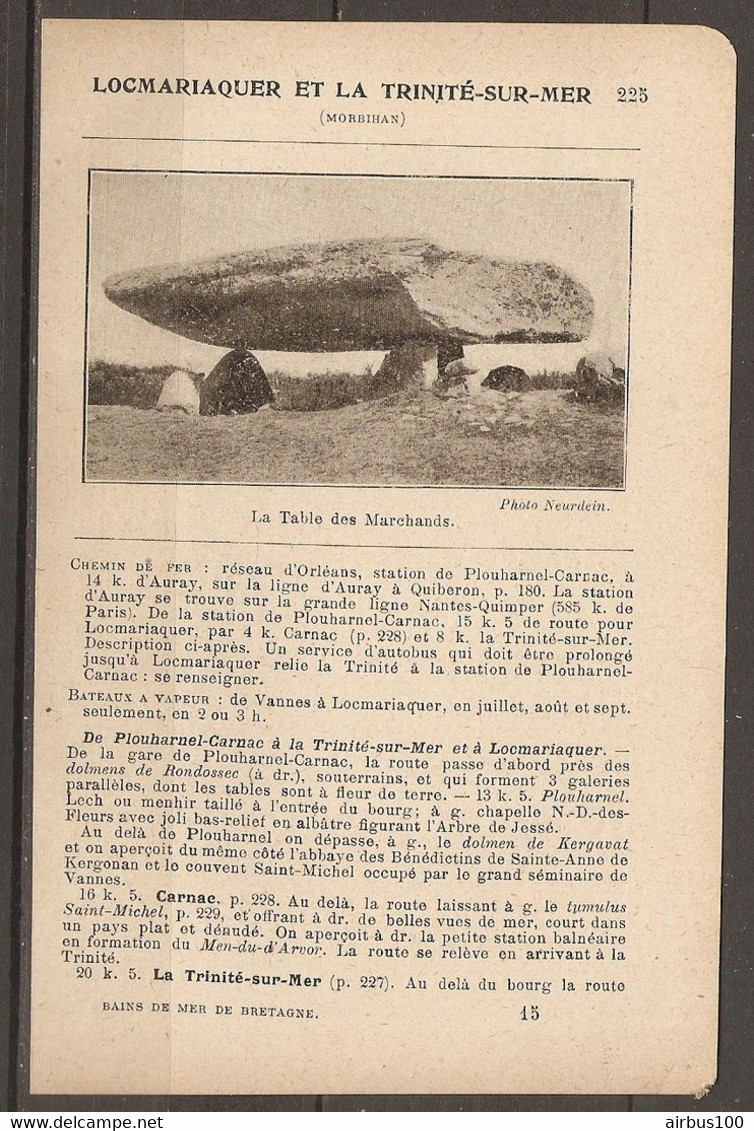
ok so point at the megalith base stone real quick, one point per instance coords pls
(448, 351)
(179, 392)
(410, 366)
(237, 384)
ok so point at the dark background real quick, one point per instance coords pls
(734, 1091)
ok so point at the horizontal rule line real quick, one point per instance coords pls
(401, 144)
(352, 545)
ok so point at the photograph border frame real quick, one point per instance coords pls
(88, 481)
(734, 1088)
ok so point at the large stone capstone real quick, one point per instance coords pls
(357, 295)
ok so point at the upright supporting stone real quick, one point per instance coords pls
(412, 365)
(236, 385)
(429, 364)
(180, 392)
(448, 350)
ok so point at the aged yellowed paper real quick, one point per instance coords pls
(380, 559)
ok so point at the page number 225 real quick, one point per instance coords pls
(633, 94)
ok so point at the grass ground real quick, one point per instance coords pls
(540, 438)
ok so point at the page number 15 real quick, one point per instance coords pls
(633, 94)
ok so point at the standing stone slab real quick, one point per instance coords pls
(236, 385)
(412, 365)
(179, 392)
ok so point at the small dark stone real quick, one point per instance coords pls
(237, 384)
(507, 378)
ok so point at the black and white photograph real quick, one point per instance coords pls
(376, 546)
(346, 329)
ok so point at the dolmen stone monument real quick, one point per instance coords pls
(414, 299)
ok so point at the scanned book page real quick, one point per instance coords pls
(380, 566)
